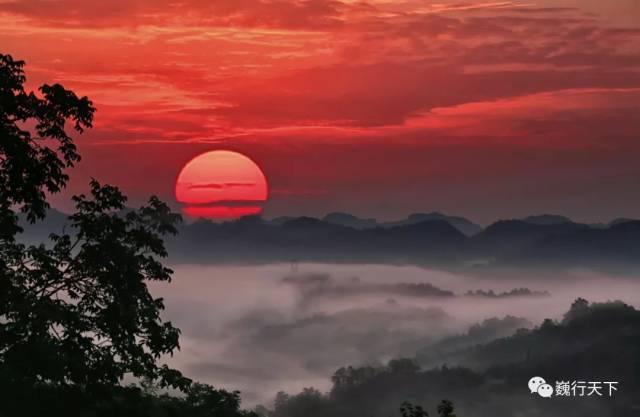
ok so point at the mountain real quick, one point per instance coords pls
(344, 219)
(421, 239)
(311, 239)
(465, 226)
(601, 225)
(488, 378)
(453, 348)
(506, 237)
(620, 220)
(279, 221)
(547, 219)
(349, 220)
(617, 245)
(618, 325)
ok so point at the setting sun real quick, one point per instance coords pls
(221, 185)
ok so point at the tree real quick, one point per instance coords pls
(579, 308)
(445, 409)
(204, 401)
(32, 165)
(76, 313)
(403, 366)
(410, 410)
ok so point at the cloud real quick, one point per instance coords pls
(317, 286)
(321, 91)
(309, 349)
(117, 13)
(221, 185)
(385, 65)
(298, 192)
(244, 328)
(390, 93)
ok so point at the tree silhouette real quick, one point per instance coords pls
(579, 308)
(204, 401)
(445, 409)
(31, 165)
(410, 410)
(76, 316)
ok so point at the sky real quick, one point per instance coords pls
(486, 109)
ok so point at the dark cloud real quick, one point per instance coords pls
(221, 185)
(390, 93)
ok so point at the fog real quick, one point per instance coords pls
(263, 329)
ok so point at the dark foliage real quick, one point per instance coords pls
(595, 342)
(76, 315)
(32, 164)
(199, 400)
(410, 410)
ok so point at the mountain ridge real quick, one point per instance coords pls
(434, 241)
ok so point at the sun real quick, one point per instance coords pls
(221, 184)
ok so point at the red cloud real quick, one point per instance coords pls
(259, 13)
(377, 105)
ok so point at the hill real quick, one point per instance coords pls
(599, 342)
(421, 239)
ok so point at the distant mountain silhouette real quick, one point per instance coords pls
(505, 237)
(436, 240)
(349, 220)
(621, 220)
(616, 245)
(278, 221)
(547, 219)
(307, 238)
(463, 225)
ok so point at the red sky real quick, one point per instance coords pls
(484, 109)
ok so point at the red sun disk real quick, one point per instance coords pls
(221, 185)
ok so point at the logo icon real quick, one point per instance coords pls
(545, 390)
(538, 385)
(536, 382)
